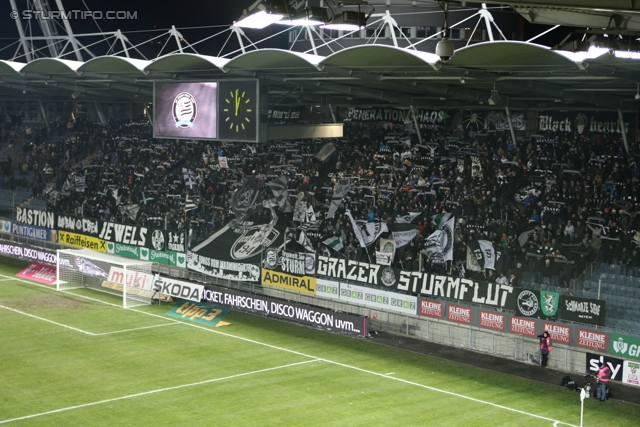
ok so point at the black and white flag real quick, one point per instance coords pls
(279, 189)
(245, 198)
(367, 232)
(341, 189)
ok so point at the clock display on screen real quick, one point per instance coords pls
(238, 110)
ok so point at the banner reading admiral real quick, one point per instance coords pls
(304, 284)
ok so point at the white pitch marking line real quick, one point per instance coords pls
(46, 320)
(328, 361)
(145, 393)
(390, 373)
(6, 280)
(135, 329)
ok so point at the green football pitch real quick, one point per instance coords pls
(78, 359)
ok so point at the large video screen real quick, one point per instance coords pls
(185, 110)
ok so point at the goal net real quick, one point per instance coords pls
(82, 268)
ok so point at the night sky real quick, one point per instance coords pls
(218, 15)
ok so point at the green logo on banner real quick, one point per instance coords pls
(550, 303)
(181, 261)
(144, 254)
(625, 346)
(110, 247)
(205, 314)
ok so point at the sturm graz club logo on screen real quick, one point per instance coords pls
(184, 110)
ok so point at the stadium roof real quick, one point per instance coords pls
(521, 75)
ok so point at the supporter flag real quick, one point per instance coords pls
(404, 233)
(245, 198)
(472, 262)
(189, 181)
(334, 243)
(341, 189)
(387, 252)
(190, 205)
(73, 182)
(304, 241)
(367, 232)
(408, 218)
(325, 152)
(439, 244)
(279, 189)
(523, 238)
(116, 196)
(440, 219)
(300, 211)
(130, 211)
(145, 199)
(311, 215)
(488, 255)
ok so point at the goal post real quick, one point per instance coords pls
(82, 268)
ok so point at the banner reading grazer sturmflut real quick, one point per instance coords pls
(350, 324)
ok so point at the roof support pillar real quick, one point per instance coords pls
(100, 113)
(415, 122)
(44, 115)
(623, 132)
(513, 133)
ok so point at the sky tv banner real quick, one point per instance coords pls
(345, 323)
(15, 250)
(378, 299)
(613, 363)
(185, 110)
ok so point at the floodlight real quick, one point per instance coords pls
(309, 16)
(347, 21)
(263, 13)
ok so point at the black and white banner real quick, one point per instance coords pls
(582, 310)
(235, 252)
(582, 122)
(455, 288)
(318, 317)
(404, 233)
(344, 269)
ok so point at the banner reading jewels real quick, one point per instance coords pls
(171, 258)
(133, 235)
(350, 324)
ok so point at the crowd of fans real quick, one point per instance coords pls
(551, 203)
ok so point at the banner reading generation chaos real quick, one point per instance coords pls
(345, 323)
